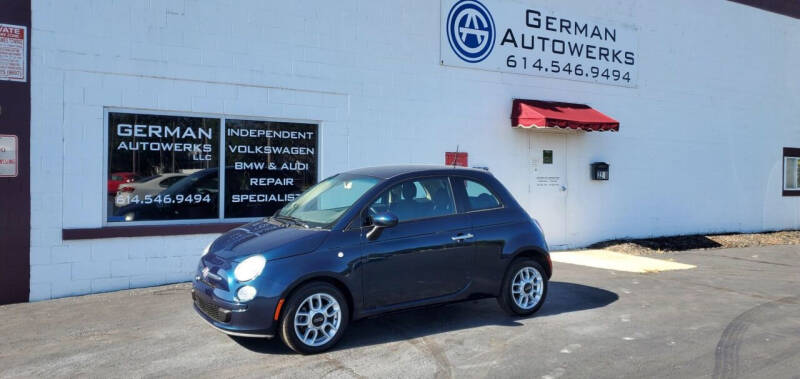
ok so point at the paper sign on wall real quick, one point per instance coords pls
(8, 156)
(13, 52)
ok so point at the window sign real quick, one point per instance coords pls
(268, 165)
(143, 146)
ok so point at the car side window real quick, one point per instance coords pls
(479, 197)
(169, 181)
(416, 199)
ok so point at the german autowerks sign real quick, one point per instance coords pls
(511, 37)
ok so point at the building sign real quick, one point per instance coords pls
(9, 160)
(269, 165)
(507, 36)
(13, 52)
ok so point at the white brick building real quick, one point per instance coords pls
(700, 147)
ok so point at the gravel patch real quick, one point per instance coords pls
(645, 246)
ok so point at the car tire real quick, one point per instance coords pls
(524, 288)
(315, 318)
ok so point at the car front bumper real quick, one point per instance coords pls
(251, 319)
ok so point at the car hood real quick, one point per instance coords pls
(269, 238)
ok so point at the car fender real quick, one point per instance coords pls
(530, 242)
(324, 266)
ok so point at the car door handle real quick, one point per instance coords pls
(462, 237)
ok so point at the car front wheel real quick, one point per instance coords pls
(315, 318)
(524, 288)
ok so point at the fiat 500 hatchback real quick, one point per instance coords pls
(370, 241)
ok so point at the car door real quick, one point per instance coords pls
(490, 221)
(418, 258)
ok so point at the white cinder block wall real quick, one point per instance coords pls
(698, 151)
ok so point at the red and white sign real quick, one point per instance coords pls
(13, 52)
(8, 156)
(455, 159)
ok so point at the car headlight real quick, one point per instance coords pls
(208, 247)
(250, 268)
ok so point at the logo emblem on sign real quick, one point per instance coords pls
(470, 30)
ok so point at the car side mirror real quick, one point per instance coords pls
(384, 220)
(379, 222)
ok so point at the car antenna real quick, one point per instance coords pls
(455, 156)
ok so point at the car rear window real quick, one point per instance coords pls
(479, 197)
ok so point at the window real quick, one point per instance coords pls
(267, 164)
(416, 199)
(791, 172)
(479, 197)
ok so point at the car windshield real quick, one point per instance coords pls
(323, 204)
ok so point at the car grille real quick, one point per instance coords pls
(212, 310)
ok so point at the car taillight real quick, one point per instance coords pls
(126, 189)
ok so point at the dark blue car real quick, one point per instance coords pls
(369, 241)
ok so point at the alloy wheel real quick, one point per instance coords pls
(317, 319)
(527, 288)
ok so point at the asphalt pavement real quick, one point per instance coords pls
(736, 315)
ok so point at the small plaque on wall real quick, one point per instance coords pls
(8, 156)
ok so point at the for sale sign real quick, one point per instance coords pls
(8, 156)
(13, 52)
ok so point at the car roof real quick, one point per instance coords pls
(388, 172)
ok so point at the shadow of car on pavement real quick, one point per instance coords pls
(406, 325)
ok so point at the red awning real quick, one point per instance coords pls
(549, 114)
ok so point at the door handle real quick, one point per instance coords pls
(462, 237)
